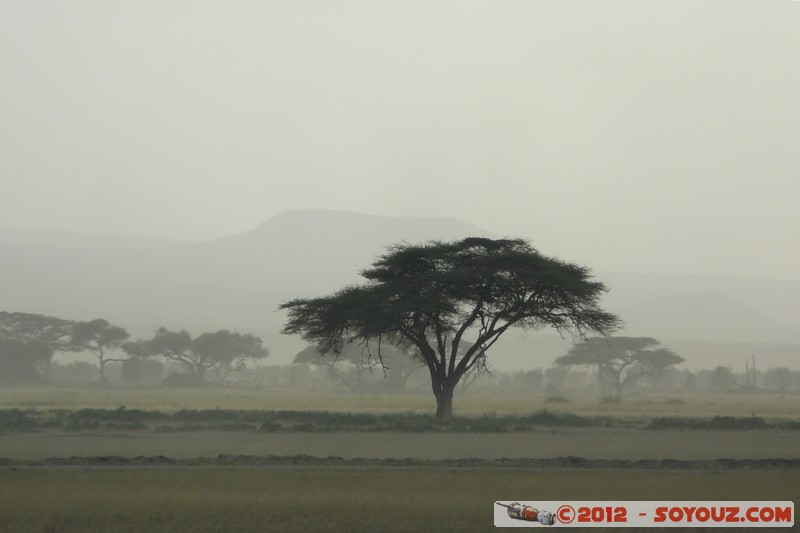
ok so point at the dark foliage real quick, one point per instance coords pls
(219, 351)
(23, 361)
(27, 344)
(433, 296)
(98, 336)
(621, 360)
(718, 422)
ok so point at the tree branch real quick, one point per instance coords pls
(464, 327)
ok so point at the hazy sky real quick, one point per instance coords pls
(640, 136)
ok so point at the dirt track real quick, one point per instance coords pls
(596, 443)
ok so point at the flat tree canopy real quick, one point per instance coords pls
(397, 364)
(54, 332)
(21, 361)
(621, 360)
(98, 336)
(435, 295)
(210, 350)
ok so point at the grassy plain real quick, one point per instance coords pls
(593, 443)
(470, 403)
(221, 497)
(336, 499)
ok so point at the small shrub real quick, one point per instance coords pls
(674, 401)
(234, 426)
(557, 399)
(734, 422)
(16, 419)
(125, 425)
(80, 425)
(207, 415)
(718, 422)
(610, 400)
(178, 429)
(179, 380)
(547, 418)
(489, 425)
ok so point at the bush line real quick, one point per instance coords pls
(324, 421)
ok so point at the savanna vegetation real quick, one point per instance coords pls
(336, 499)
(435, 296)
(179, 430)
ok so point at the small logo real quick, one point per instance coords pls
(529, 514)
(565, 514)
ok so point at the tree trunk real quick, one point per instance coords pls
(444, 401)
(617, 382)
(618, 392)
(102, 368)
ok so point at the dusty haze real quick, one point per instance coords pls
(237, 146)
(630, 136)
(194, 164)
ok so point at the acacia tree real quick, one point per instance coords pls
(778, 378)
(722, 379)
(21, 361)
(98, 336)
(397, 363)
(432, 295)
(49, 333)
(210, 350)
(621, 360)
(225, 348)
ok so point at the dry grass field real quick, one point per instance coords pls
(220, 495)
(336, 499)
(471, 403)
(591, 443)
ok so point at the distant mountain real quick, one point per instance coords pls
(318, 249)
(778, 300)
(237, 282)
(81, 240)
(313, 249)
(709, 315)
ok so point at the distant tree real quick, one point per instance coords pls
(208, 351)
(722, 379)
(356, 361)
(172, 345)
(98, 337)
(227, 348)
(555, 379)
(136, 370)
(400, 366)
(751, 374)
(779, 378)
(669, 380)
(532, 379)
(53, 333)
(300, 375)
(435, 295)
(20, 361)
(75, 371)
(689, 380)
(621, 360)
(347, 368)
